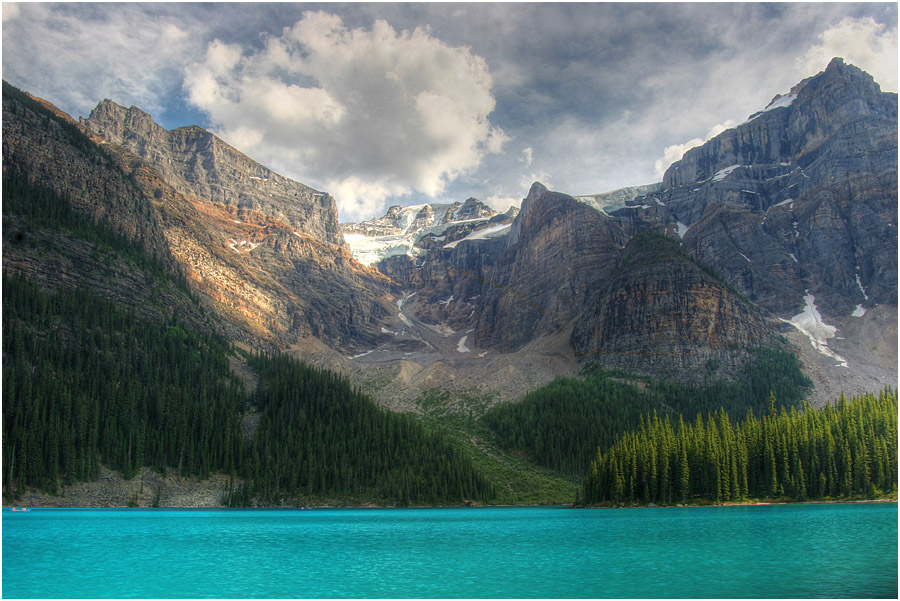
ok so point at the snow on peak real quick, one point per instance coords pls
(397, 232)
(781, 101)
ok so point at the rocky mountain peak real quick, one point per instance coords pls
(791, 128)
(471, 209)
(536, 191)
(199, 164)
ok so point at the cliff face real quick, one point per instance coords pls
(197, 163)
(274, 270)
(801, 197)
(43, 143)
(557, 253)
(661, 313)
(43, 147)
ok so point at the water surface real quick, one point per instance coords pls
(836, 550)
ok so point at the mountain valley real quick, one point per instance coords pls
(778, 237)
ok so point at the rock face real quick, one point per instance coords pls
(275, 270)
(803, 196)
(558, 252)
(660, 312)
(198, 164)
(44, 148)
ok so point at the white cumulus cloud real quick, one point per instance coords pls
(862, 42)
(365, 114)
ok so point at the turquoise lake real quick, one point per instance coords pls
(837, 550)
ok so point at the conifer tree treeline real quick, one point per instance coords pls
(318, 437)
(86, 383)
(561, 424)
(847, 450)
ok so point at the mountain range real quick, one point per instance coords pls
(779, 233)
(784, 225)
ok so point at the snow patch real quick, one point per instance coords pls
(784, 202)
(723, 173)
(794, 258)
(400, 302)
(861, 289)
(859, 311)
(493, 231)
(746, 257)
(682, 229)
(779, 102)
(810, 324)
(461, 345)
(362, 354)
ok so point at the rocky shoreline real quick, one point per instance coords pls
(147, 489)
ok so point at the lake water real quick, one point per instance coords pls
(839, 550)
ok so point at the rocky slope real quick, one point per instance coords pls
(274, 270)
(198, 164)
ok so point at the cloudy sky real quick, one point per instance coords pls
(382, 104)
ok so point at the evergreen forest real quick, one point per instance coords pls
(843, 451)
(562, 424)
(86, 383)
